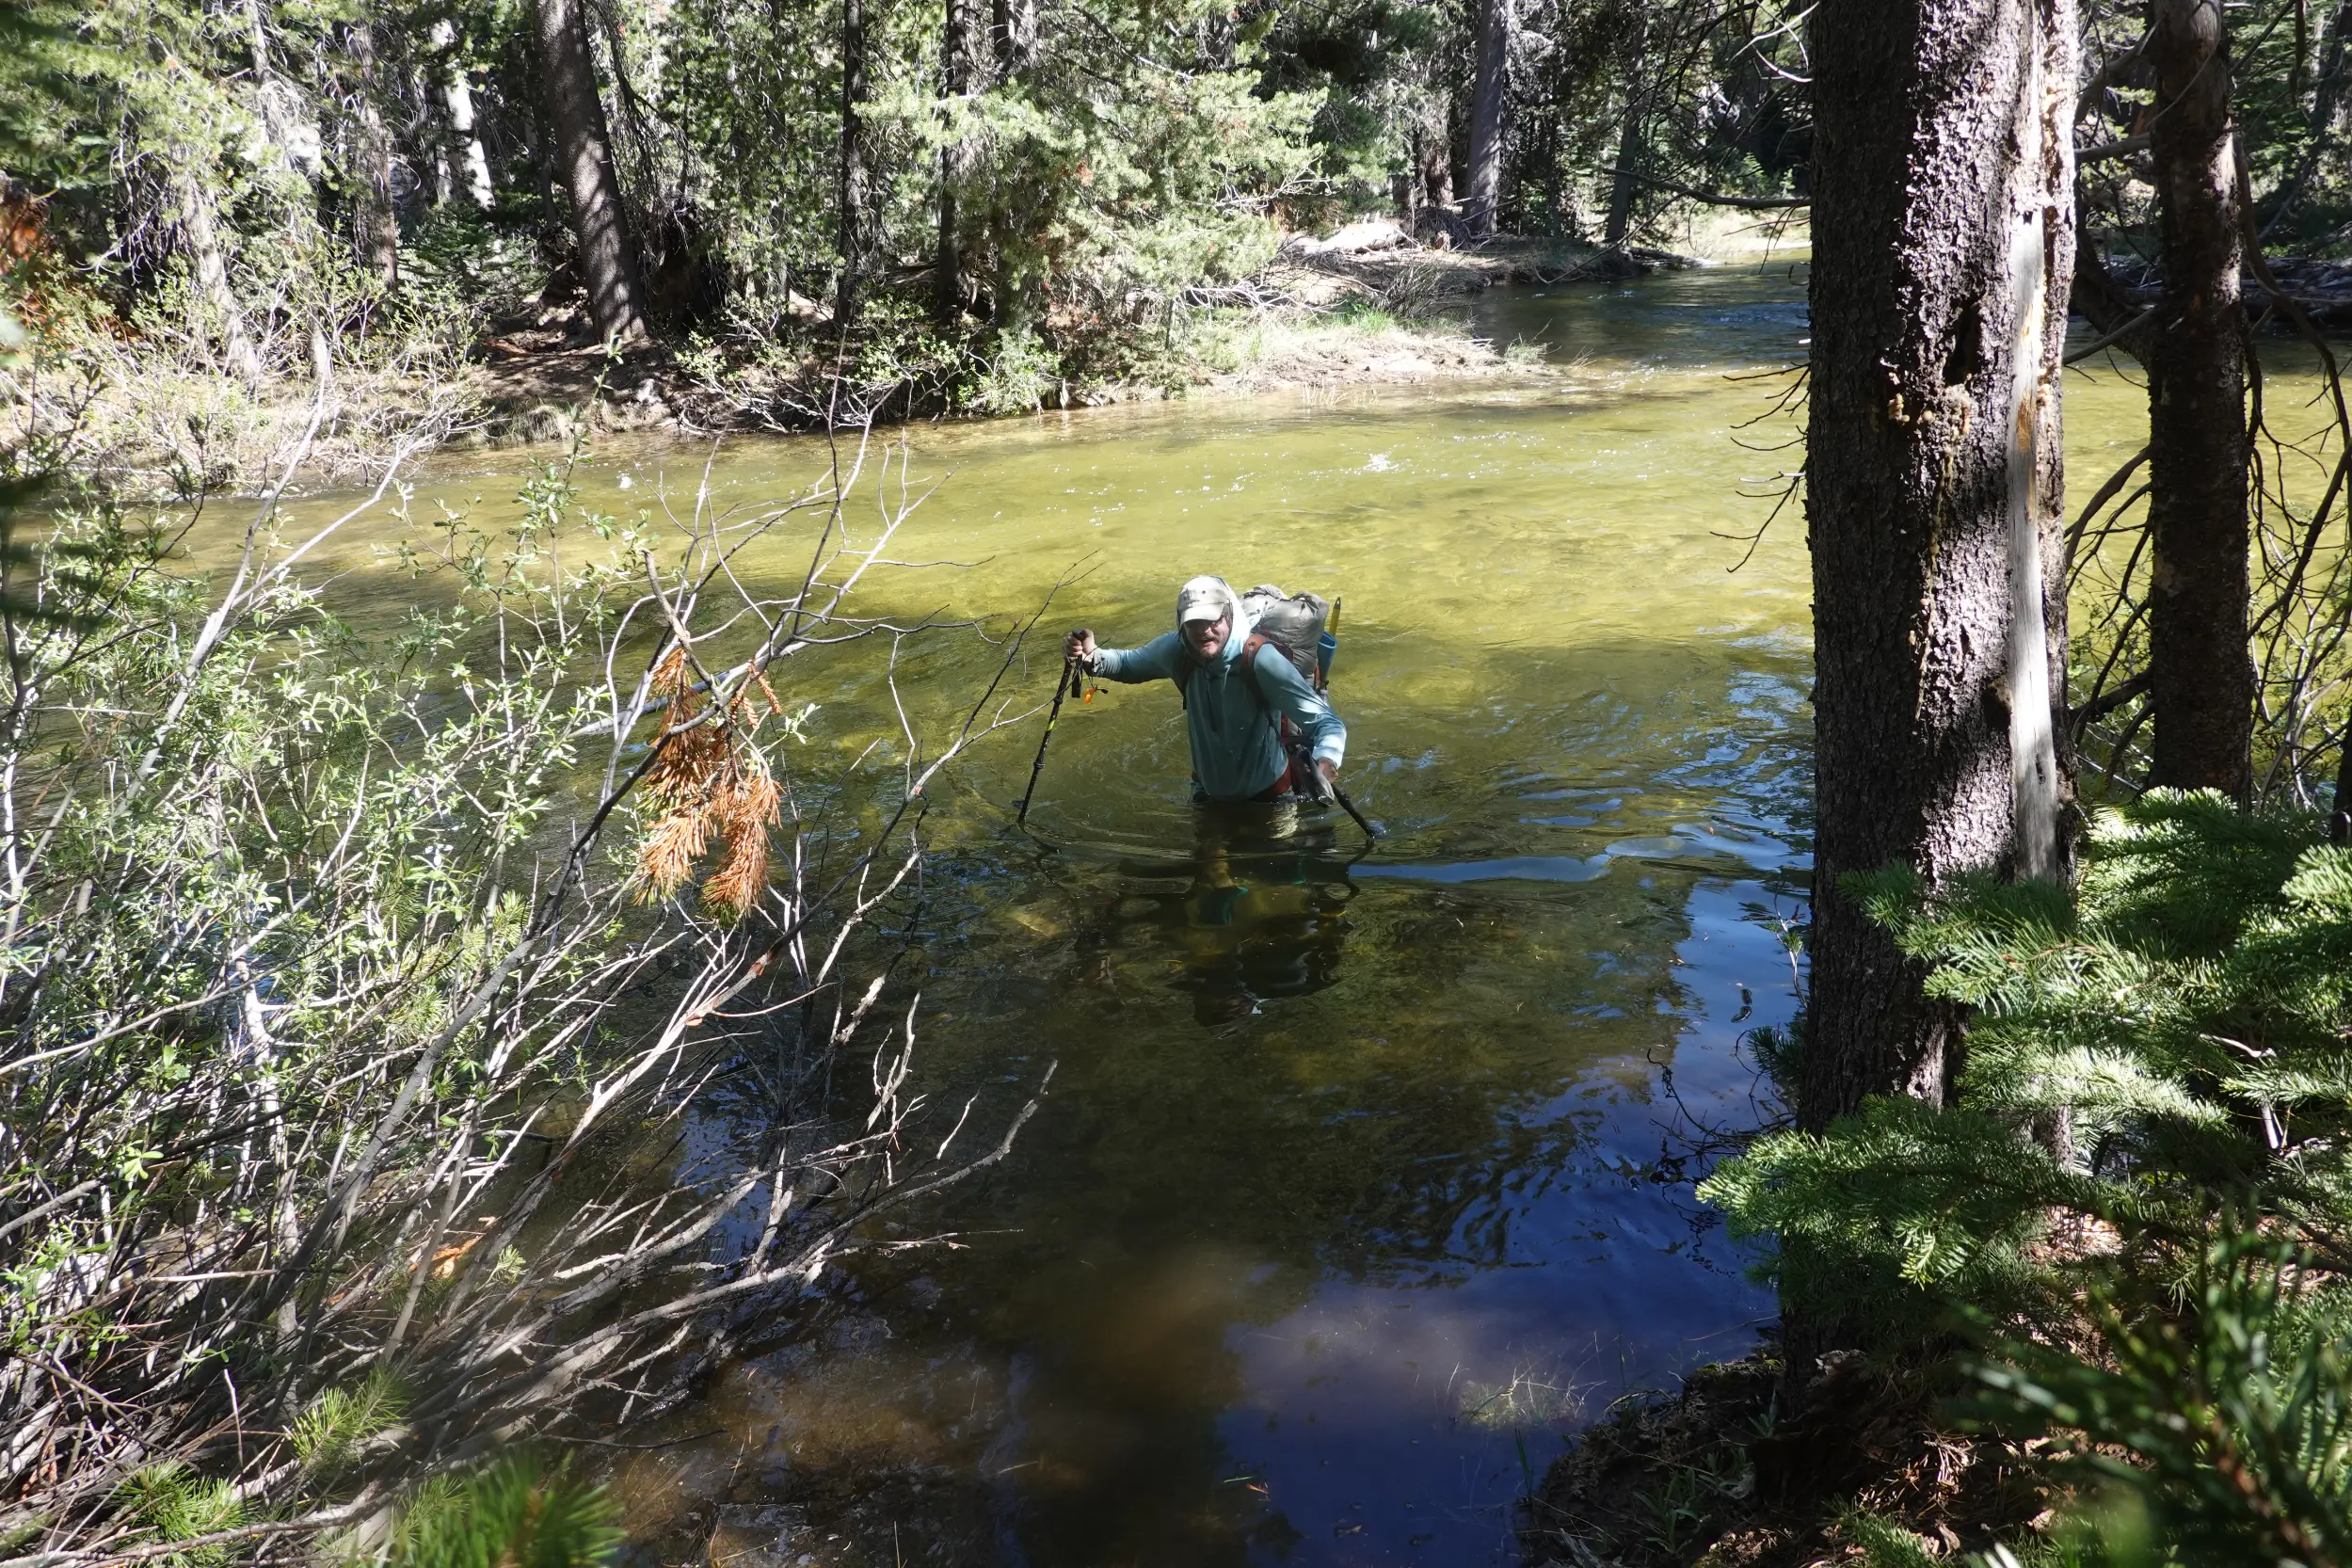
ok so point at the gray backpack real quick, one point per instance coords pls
(1293, 623)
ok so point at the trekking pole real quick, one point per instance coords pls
(1329, 790)
(1069, 683)
(1349, 806)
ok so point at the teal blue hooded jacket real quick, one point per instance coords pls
(1237, 746)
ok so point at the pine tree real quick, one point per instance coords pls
(2189, 1016)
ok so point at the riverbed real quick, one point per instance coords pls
(1365, 1176)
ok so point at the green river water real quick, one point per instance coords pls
(1363, 1178)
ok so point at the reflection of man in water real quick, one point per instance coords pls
(1257, 924)
(1238, 690)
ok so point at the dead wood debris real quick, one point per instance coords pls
(1717, 1474)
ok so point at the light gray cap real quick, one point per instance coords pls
(1205, 599)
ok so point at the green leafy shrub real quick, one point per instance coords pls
(2223, 1421)
(336, 1422)
(332, 956)
(177, 1505)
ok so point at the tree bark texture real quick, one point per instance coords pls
(1631, 151)
(1489, 96)
(851, 195)
(208, 271)
(376, 216)
(2201, 691)
(1429, 151)
(465, 167)
(1942, 221)
(582, 148)
(1013, 26)
(962, 73)
(2328, 94)
(1622, 185)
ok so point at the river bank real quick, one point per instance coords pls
(1366, 306)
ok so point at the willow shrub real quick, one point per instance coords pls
(347, 1042)
(2150, 1144)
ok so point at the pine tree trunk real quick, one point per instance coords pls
(378, 219)
(1632, 151)
(278, 134)
(1489, 96)
(2201, 676)
(466, 166)
(1942, 225)
(1621, 188)
(1437, 168)
(961, 69)
(2328, 94)
(853, 161)
(1013, 24)
(208, 269)
(582, 150)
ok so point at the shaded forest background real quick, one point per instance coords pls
(958, 204)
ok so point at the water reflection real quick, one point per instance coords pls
(1361, 1178)
(1262, 913)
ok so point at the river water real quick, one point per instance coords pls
(1364, 1176)
(1366, 1173)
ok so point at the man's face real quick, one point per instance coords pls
(1206, 638)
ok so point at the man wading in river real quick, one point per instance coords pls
(1256, 722)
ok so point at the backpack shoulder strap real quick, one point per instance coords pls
(1249, 666)
(1250, 651)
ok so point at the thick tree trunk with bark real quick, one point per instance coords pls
(2201, 689)
(1632, 151)
(962, 72)
(1942, 223)
(465, 167)
(1437, 168)
(376, 216)
(1013, 25)
(1622, 185)
(851, 194)
(1490, 93)
(583, 148)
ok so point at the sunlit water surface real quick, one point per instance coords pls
(1364, 1176)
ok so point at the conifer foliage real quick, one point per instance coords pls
(2148, 1163)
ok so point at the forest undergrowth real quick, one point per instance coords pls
(431, 367)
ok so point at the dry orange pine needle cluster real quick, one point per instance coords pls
(709, 783)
